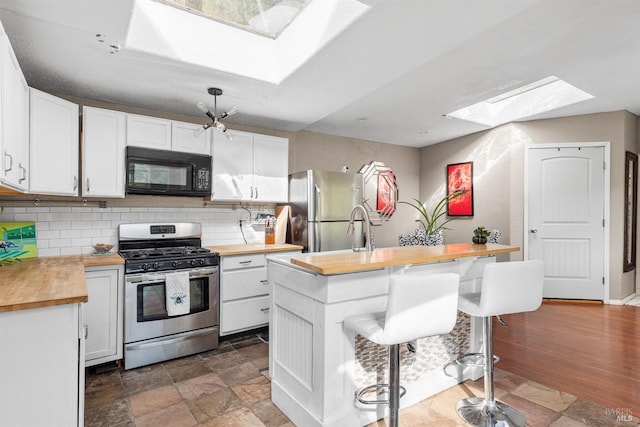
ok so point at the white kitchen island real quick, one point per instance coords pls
(316, 366)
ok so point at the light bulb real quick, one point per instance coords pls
(198, 131)
(203, 107)
(221, 127)
(227, 134)
(233, 110)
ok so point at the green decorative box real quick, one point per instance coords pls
(18, 240)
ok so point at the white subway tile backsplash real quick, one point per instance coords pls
(47, 234)
(49, 252)
(73, 230)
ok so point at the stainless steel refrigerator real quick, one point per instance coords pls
(321, 205)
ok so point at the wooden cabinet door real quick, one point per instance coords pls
(54, 145)
(103, 145)
(150, 132)
(233, 167)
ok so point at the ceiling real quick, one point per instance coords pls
(388, 75)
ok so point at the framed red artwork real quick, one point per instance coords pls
(386, 200)
(460, 178)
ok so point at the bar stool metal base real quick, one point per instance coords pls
(475, 411)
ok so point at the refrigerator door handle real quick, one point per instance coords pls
(316, 203)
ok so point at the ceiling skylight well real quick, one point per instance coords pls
(264, 17)
(526, 101)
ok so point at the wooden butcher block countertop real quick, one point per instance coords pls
(349, 262)
(253, 248)
(48, 281)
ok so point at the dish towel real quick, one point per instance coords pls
(177, 293)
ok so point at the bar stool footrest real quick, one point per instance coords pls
(475, 360)
(376, 387)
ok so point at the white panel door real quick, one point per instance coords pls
(54, 144)
(271, 161)
(150, 132)
(184, 139)
(233, 167)
(566, 219)
(104, 141)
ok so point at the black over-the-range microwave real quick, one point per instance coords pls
(167, 173)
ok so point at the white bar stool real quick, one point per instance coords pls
(418, 306)
(507, 287)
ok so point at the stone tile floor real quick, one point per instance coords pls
(230, 387)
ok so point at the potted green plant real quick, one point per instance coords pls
(432, 221)
(480, 235)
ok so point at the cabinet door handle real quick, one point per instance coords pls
(24, 173)
(245, 262)
(264, 310)
(88, 185)
(86, 332)
(264, 282)
(256, 192)
(251, 197)
(10, 157)
(75, 183)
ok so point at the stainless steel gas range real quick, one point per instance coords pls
(171, 292)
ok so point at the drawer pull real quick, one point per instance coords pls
(245, 262)
(264, 282)
(264, 310)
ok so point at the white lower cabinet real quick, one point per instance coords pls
(103, 314)
(244, 292)
(42, 367)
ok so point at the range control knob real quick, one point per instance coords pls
(175, 264)
(201, 261)
(194, 262)
(156, 265)
(145, 267)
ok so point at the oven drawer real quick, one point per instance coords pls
(242, 261)
(236, 316)
(244, 284)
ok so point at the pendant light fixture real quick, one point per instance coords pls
(215, 120)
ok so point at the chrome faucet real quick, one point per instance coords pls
(366, 228)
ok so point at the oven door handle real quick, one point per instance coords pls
(184, 337)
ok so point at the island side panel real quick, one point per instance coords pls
(312, 358)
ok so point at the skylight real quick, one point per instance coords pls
(535, 98)
(265, 17)
(179, 35)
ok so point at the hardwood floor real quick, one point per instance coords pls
(589, 350)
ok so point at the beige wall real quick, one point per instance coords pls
(309, 150)
(498, 157)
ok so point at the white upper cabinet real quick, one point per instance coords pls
(232, 167)
(54, 145)
(184, 139)
(251, 167)
(271, 165)
(165, 134)
(150, 132)
(14, 111)
(104, 140)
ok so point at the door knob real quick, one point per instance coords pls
(533, 230)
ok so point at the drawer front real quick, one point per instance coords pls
(245, 314)
(242, 261)
(244, 283)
